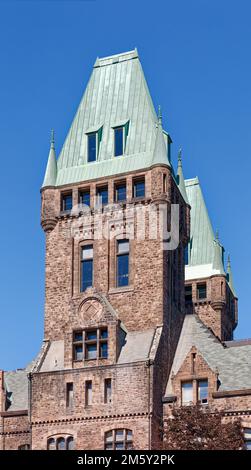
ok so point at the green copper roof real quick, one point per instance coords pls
(51, 169)
(117, 94)
(180, 179)
(205, 252)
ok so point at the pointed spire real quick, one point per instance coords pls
(218, 255)
(180, 178)
(160, 116)
(160, 150)
(51, 169)
(230, 276)
(52, 139)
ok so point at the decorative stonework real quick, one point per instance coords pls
(91, 311)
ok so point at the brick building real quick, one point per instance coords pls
(131, 326)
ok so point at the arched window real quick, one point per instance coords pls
(247, 436)
(60, 443)
(118, 439)
(51, 444)
(70, 443)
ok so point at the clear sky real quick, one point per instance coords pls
(196, 58)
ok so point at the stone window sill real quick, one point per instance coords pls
(118, 290)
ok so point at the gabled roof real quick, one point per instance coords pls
(117, 94)
(205, 251)
(233, 363)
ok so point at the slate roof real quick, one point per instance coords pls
(233, 363)
(16, 384)
(117, 93)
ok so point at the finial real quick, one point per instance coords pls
(52, 138)
(217, 235)
(228, 263)
(160, 115)
(180, 156)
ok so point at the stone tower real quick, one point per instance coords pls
(114, 303)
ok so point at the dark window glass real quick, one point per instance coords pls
(94, 343)
(120, 192)
(87, 267)
(84, 198)
(108, 391)
(203, 391)
(78, 336)
(70, 443)
(118, 439)
(92, 147)
(122, 263)
(51, 444)
(91, 335)
(188, 294)
(201, 291)
(102, 195)
(104, 334)
(186, 254)
(104, 350)
(139, 188)
(24, 447)
(78, 352)
(61, 443)
(91, 351)
(66, 202)
(247, 436)
(118, 141)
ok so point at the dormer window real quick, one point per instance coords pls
(93, 144)
(120, 136)
(92, 147)
(118, 141)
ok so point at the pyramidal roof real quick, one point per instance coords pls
(205, 251)
(117, 94)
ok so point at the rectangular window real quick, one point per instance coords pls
(164, 183)
(86, 267)
(78, 345)
(187, 393)
(84, 197)
(188, 294)
(66, 202)
(69, 395)
(122, 263)
(102, 195)
(90, 344)
(118, 141)
(203, 391)
(92, 147)
(88, 392)
(201, 291)
(108, 391)
(247, 437)
(120, 192)
(139, 188)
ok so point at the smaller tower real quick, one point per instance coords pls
(209, 291)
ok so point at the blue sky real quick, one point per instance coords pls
(196, 58)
